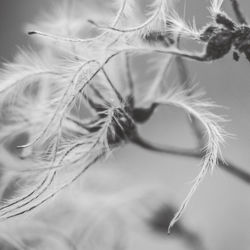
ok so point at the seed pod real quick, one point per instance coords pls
(219, 45)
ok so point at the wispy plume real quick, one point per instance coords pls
(76, 96)
(199, 109)
(215, 7)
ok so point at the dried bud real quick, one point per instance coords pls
(219, 45)
(225, 21)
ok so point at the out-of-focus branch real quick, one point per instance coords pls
(164, 149)
(160, 223)
(224, 165)
(236, 7)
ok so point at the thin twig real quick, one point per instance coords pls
(240, 17)
(119, 96)
(164, 149)
(224, 165)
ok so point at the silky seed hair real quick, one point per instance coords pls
(60, 154)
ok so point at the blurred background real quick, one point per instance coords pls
(219, 211)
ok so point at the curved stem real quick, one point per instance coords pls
(224, 165)
(192, 56)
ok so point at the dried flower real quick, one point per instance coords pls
(74, 76)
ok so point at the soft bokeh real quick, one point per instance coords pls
(219, 211)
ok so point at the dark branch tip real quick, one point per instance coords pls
(92, 22)
(30, 33)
